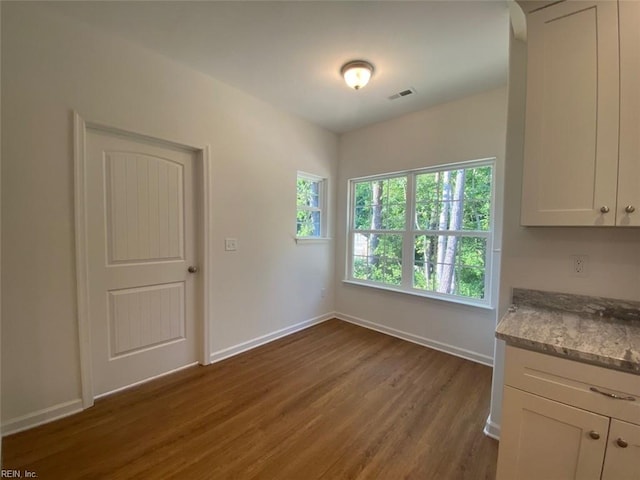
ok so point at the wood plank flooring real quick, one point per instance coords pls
(335, 401)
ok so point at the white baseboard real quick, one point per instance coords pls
(135, 384)
(40, 417)
(492, 429)
(270, 337)
(425, 342)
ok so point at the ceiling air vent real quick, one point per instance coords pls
(403, 93)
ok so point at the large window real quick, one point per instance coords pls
(427, 232)
(311, 210)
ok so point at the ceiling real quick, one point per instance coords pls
(289, 54)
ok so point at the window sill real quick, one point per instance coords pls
(420, 293)
(311, 240)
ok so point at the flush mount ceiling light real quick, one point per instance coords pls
(357, 73)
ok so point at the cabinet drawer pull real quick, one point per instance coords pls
(612, 395)
(604, 209)
(622, 443)
(593, 434)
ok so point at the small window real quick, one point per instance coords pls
(311, 210)
(428, 232)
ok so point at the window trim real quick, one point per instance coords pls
(322, 202)
(410, 232)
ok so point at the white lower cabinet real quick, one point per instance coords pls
(543, 439)
(559, 420)
(622, 460)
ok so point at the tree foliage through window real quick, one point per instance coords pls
(310, 204)
(444, 215)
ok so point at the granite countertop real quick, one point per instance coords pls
(596, 330)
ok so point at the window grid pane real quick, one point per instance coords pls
(308, 193)
(378, 257)
(380, 204)
(308, 223)
(454, 199)
(450, 264)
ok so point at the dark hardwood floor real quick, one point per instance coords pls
(335, 401)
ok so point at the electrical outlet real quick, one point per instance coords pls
(580, 265)
(230, 244)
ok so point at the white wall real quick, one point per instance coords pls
(540, 257)
(51, 66)
(466, 129)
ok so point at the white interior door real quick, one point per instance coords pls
(141, 243)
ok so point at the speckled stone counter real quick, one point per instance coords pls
(600, 331)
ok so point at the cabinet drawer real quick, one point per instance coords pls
(572, 383)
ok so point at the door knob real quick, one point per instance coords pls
(604, 209)
(622, 443)
(593, 434)
(629, 209)
(192, 269)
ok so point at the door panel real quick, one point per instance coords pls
(545, 439)
(623, 452)
(144, 208)
(146, 316)
(571, 135)
(629, 168)
(141, 240)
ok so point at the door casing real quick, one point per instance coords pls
(203, 216)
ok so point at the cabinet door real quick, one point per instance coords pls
(571, 129)
(541, 438)
(622, 460)
(629, 168)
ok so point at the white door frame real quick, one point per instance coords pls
(203, 228)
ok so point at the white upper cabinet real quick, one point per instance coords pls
(572, 115)
(628, 208)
